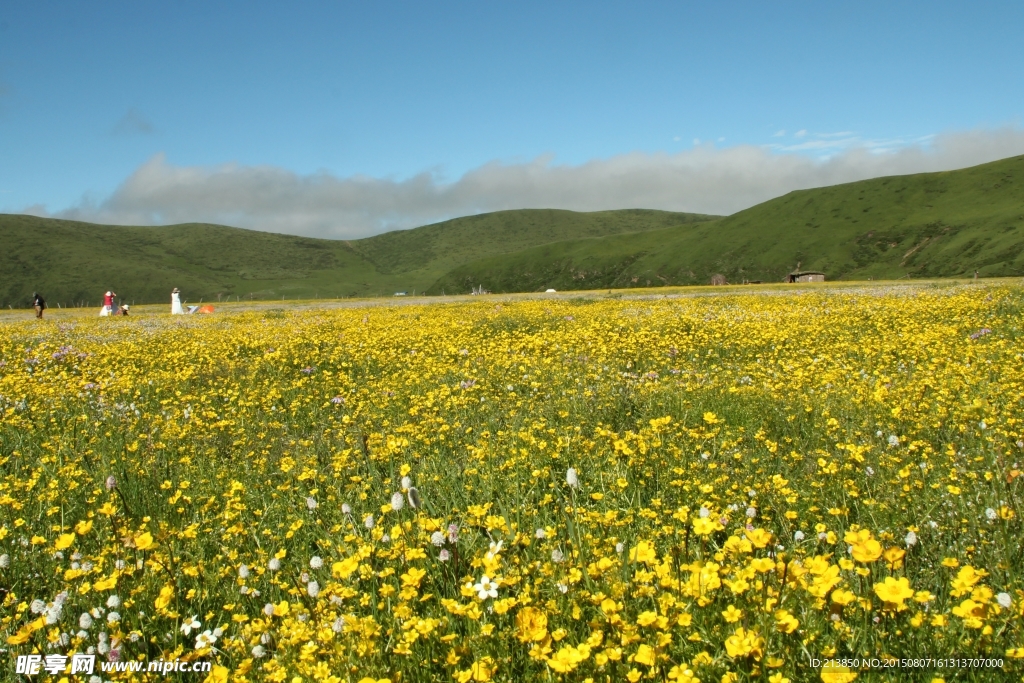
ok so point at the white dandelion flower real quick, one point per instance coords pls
(406, 482)
(571, 478)
(258, 651)
(313, 589)
(368, 521)
(274, 564)
(311, 503)
(243, 571)
(397, 501)
(85, 621)
(437, 539)
(1004, 600)
(316, 562)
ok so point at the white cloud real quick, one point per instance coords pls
(800, 133)
(779, 134)
(703, 179)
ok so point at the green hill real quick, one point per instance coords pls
(926, 225)
(73, 263)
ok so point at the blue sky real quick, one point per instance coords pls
(130, 112)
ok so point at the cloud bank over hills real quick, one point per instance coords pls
(705, 179)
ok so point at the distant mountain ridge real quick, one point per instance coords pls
(73, 263)
(945, 224)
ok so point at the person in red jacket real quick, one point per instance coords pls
(108, 304)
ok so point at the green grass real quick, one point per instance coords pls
(927, 225)
(73, 263)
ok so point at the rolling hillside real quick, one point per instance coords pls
(927, 225)
(73, 263)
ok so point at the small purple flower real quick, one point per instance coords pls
(443, 555)
(308, 370)
(981, 333)
(453, 533)
(467, 383)
(111, 483)
(337, 400)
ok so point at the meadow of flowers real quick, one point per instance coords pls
(690, 489)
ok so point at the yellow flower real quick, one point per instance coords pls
(531, 625)
(786, 622)
(646, 618)
(744, 643)
(833, 673)
(732, 615)
(566, 659)
(644, 655)
(894, 592)
(759, 537)
(144, 541)
(704, 526)
(682, 674)
(164, 599)
(64, 541)
(894, 557)
(643, 552)
(865, 548)
(965, 580)
(218, 674)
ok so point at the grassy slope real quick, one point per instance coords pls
(926, 225)
(71, 262)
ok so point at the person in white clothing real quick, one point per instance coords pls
(176, 302)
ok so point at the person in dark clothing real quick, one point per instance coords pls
(39, 303)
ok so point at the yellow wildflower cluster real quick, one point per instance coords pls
(688, 489)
